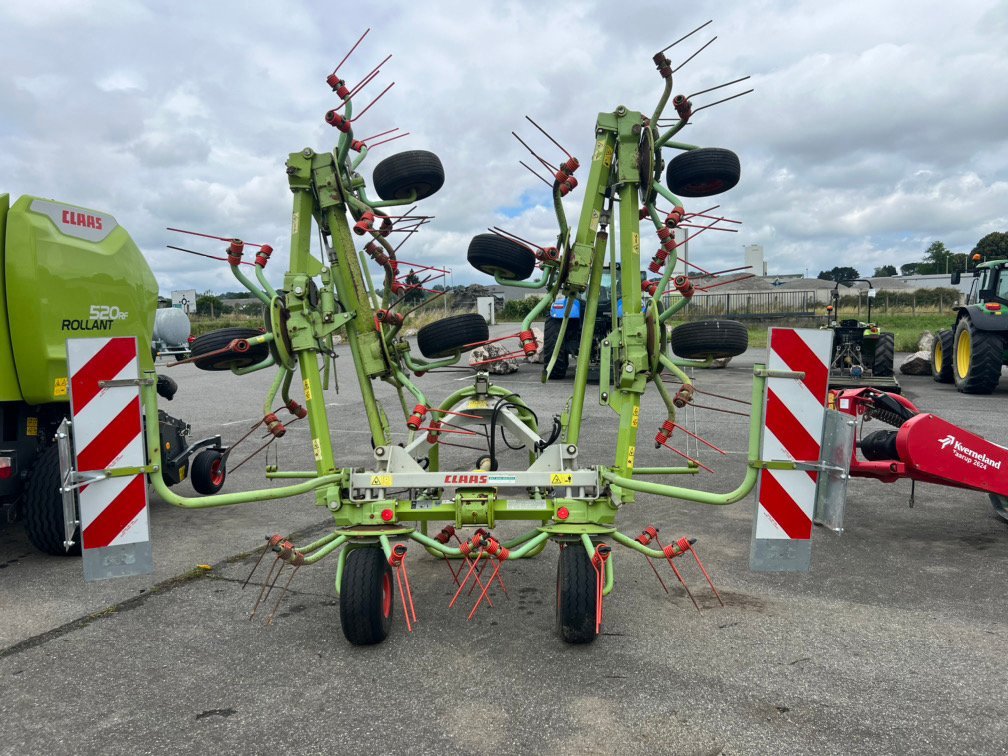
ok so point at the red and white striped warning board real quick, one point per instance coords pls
(108, 435)
(792, 431)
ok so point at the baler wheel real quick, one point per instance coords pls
(443, 337)
(576, 586)
(207, 472)
(495, 255)
(703, 339)
(976, 366)
(414, 173)
(941, 357)
(215, 340)
(43, 507)
(703, 172)
(366, 597)
(1000, 504)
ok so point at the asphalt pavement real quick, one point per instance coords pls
(893, 643)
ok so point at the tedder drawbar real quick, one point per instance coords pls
(574, 504)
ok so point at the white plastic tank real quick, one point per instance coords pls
(171, 326)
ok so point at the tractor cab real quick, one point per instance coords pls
(990, 283)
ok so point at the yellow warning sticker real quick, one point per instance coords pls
(630, 456)
(607, 158)
(561, 479)
(60, 387)
(478, 404)
(31, 429)
(316, 446)
(635, 239)
(636, 417)
(381, 481)
(599, 147)
(307, 390)
(295, 222)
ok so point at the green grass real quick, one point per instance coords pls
(907, 328)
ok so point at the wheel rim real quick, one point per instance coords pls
(939, 357)
(216, 473)
(964, 351)
(386, 599)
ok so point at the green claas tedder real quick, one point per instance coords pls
(562, 498)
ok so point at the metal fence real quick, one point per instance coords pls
(749, 304)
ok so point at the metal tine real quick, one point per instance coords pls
(536, 174)
(679, 576)
(366, 109)
(704, 47)
(269, 620)
(390, 139)
(262, 591)
(380, 134)
(361, 39)
(685, 36)
(204, 254)
(536, 156)
(655, 570)
(501, 232)
(688, 457)
(258, 562)
(719, 86)
(718, 102)
(700, 439)
(546, 134)
(472, 568)
(704, 571)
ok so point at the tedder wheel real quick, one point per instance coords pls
(366, 597)
(215, 340)
(1000, 504)
(551, 330)
(941, 357)
(207, 472)
(443, 337)
(495, 255)
(415, 173)
(703, 172)
(576, 586)
(43, 506)
(885, 354)
(701, 339)
(977, 363)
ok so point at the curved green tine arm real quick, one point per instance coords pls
(539, 283)
(422, 366)
(261, 277)
(359, 159)
(406, 383)
(247, 283)
(273, 390)
(324, 550)
(268, 362)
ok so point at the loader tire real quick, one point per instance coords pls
(367, 597)
(701, 339)
(703, 172)
(497, 256)
(576, 597)
(885, 355)
(452, 334)
(415, 174)
(941, 357)
(43, 507)
(977, 364)
(215, 340)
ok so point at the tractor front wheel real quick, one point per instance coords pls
(941, 357)
(885, 355)
(576, 595)
(977, 364)
(366, 597)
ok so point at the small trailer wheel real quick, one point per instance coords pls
(576, 599)
(207, 472)
(366, 597)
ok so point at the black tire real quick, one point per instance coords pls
(941, 357)
(495, 255)
(700, 339)
(551, 330)
(166, 387)
(1000, 504)
(207, 472)
(885, 355)
(214, 340)
(703, 172)
(404, 174)
(366, 597)
(443, 337)
(576, 586)
(43, 507)
(976, 363)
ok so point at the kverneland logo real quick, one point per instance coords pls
(964, 451)
(456, 479)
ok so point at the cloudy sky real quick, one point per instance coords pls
(875, 128)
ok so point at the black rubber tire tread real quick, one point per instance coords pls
(361, 615)
(43, 506)
(201, 472)
(985, 360)
(399, 176)
(214, 340)
(493, 254)
(703, 172)
(576, 585)
(1000, 504)
(945, 339)
(885, 355)
(443, 337)
(551, 330)
(700, 339)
